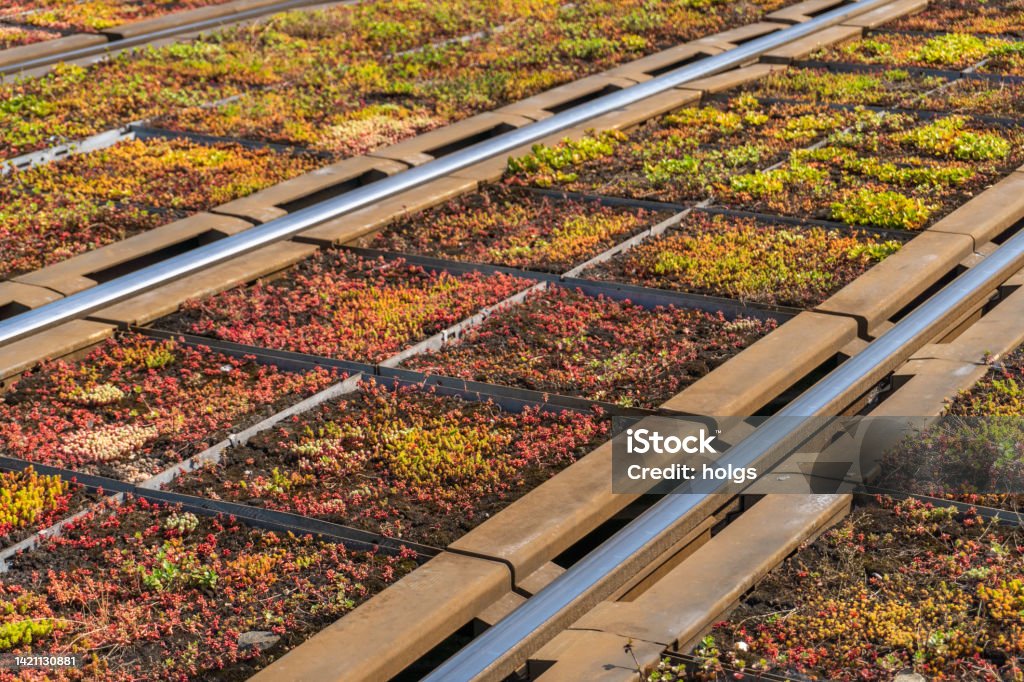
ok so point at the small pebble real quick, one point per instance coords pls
(264, 639)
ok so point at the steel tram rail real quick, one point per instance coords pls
(488, 655)
(85, 302)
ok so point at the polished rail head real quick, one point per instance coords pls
(84, 302)
(485, 655)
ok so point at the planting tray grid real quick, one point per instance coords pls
(279, 357)
(970, 70)
(708, 205)
(152, 488)
(644, 296)
(55, 151)
(256, 517)
(448, 384)
(709, 202)
(143, 131)
(127, 129)
(576, 275)
(508, 398)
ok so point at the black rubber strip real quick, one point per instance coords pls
(650, 298)
(643, 296)
(607, 200)
(509, 398)
(799, 223)
(846, 67)
(267, 519)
